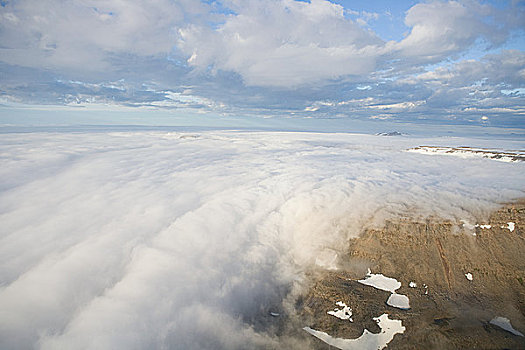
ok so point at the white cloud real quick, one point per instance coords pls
(288, 43)
(469, 87)
(261, 57)
(506, 67)
(178, 100)
(519, 111)
(440, 28)
(284, 43)
(74, 35)
(401, 106)
(518, 91)
(156, 239)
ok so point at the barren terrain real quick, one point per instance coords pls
(448, 311)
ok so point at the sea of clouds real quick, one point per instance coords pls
(136, 240)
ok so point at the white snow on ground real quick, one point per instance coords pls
(380, 281)
(468, 275)
(504, 323)
(388, 284)
(398, 300)
(510, 226)
(469, 226)
(412, 285)
(345, 313)
(368, 340)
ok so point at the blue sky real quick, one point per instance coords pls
(270, 62)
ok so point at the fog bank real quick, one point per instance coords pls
(155, 239)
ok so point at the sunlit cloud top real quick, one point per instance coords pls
(434, 61)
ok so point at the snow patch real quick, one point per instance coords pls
(345, 313)
(381, 282)
(398, 300)
(510, 226)
(368, 340)
(388, 284)
(468, 225)
(472, 227)
(412, 285)
(504, 323)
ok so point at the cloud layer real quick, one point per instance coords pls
(269, 58)
(291, 43)
(177, 240)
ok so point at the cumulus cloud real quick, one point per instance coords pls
(177, 240)
(283, 43)
(443, 28)
(88, 35)
(290, 43)
(265, 57)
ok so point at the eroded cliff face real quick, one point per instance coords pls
(463, 275)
